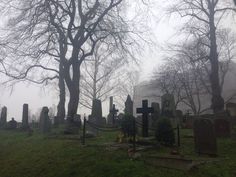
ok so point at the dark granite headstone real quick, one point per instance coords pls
(222, 127)
(12, 124)
(45, 123)
(205, 137)
(25, 117)
(3, 120)
(128, 106)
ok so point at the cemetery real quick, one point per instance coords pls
(117, 88)
(155, 144)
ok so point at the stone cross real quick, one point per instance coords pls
(145, 110)
(113, 112)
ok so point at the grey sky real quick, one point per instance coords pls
(163, 28)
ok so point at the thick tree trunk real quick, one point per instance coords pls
(62, 96)
(74, 90)
(217, 100)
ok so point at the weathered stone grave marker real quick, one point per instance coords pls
(45, 123)
(3, 120)
(145, 110)
(128, 106)
(155, 115)
(168, 105)
(114, 112)
(25, 117)
(12, 124)
(205, 137)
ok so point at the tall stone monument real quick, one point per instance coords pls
(129, 106)
(3, 119)
(25, 117)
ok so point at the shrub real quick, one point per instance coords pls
(127, 125)
(164, 132)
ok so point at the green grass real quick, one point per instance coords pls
(38, 156)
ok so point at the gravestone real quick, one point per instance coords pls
(56, 121)
(155, 115)
(168, 105)
(113, 113)
(231, 108)
(12, 124)
(222, 127)
(109, 117)
(128, 106)
(145, 110)
(179, 117)
(96, 116)
(205, 137)
(25, 117)
(3, 120)
(44, 122)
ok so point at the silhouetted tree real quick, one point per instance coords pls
(204, 18)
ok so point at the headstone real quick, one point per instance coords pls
(12, 124)
(97, 111)
(129, 106)
(56, 121)
(25, 117)
(96, 116)
(145, 110)
(3, 120)
(168, 105)
(231, 107)
(205, 137)
(45, 123)
(110, 117)
(113, 113)
(155, 115)
(179, 116)
(222, 127)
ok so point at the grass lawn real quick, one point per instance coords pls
(39, 156)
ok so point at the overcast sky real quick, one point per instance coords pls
(163, 28)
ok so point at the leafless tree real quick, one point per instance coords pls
(48, 33)
(186, 72)
(204, 18)
(99, 75)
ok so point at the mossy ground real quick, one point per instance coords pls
(22, 155)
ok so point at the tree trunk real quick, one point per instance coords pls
(62, 96)
(217, 100)
(74, 90)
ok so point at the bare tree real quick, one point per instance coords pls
(66, 34)
(186, 72)
(204, 19)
